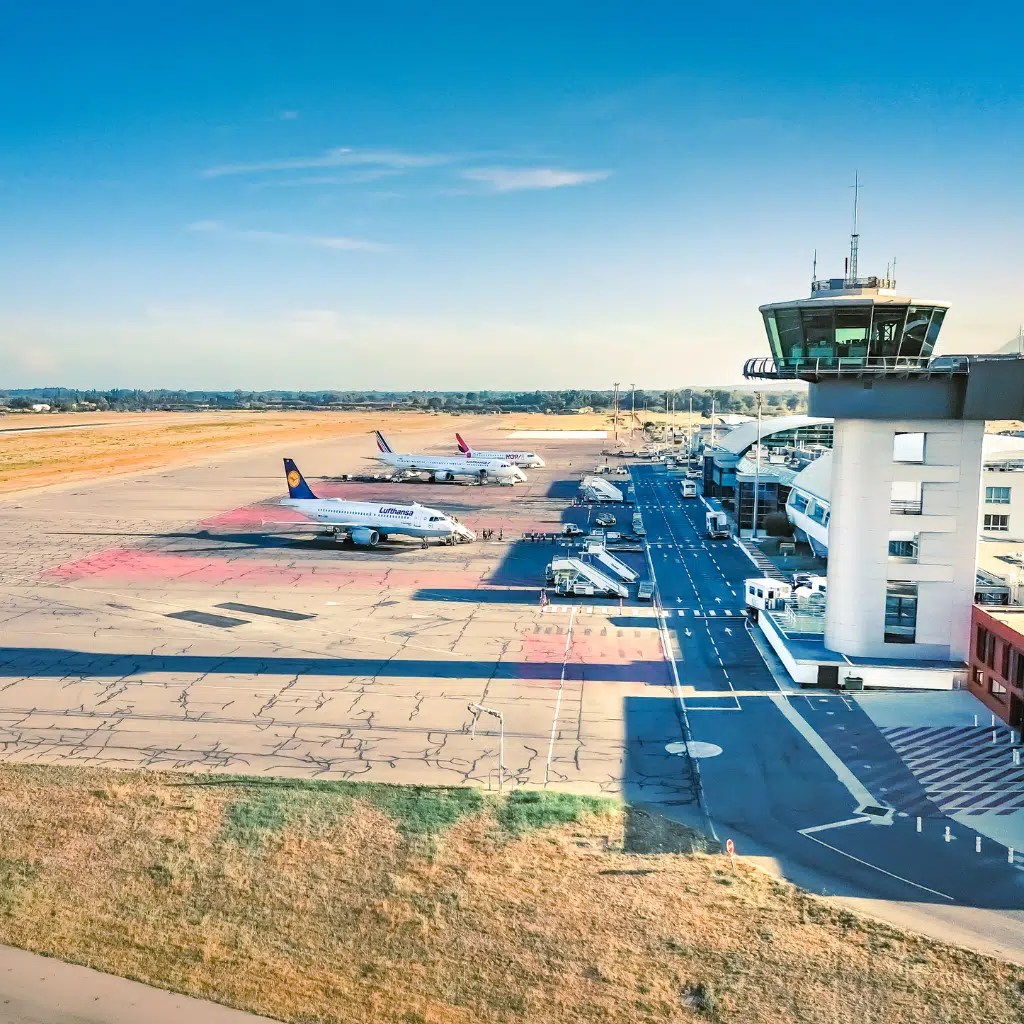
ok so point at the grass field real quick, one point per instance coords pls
(348, 902)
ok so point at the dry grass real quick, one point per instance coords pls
(104, 443)
(348, 903)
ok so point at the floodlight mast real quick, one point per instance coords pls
(854, 236)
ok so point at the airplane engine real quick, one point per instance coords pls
(483, 476)
(443, 475)
(365, 537)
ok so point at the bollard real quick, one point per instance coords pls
(918, 824)
(993, 735)
(975, 721)
(1009, 855)
(947, 836)
(977, 844)
(1016, 757)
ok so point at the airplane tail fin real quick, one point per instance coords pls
(463, 447)
(297, 486)
(382, 444)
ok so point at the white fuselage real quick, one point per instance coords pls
(525, 460)
(448, 468)
(346, 516)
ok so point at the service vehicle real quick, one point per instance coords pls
(572, 530)
(716, 525)
(645, 592)
(604, 519)
(688, 488)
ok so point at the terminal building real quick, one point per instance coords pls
(897, 503)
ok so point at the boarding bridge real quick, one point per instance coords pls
(570, 572)
(598, 489)
(601, 554)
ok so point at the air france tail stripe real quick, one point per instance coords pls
(381, 443)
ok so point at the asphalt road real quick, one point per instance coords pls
(796, 771)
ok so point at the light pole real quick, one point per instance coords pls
(615, 415)
(632, 410)
(757, 465)
(476, 710)
(689, 426)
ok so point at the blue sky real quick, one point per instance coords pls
(468, 196)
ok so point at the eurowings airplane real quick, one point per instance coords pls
(523, 459)
(368, 522)
(442, 467)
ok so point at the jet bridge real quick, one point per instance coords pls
(574, 576)
(599, 553)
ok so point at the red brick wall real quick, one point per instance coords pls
(996, 666)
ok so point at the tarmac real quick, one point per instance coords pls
(184, 620)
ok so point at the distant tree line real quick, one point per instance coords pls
(735, 400)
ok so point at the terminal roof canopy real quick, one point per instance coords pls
(794, 430)
(863, 327)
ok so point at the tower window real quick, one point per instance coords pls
(900, 612)
(997, 524)
(997, 495)
(908, 447)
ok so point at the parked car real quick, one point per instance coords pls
(604, 519)
(572, 530)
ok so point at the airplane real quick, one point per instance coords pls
(367, 523)
(442, 467)
(522, 459)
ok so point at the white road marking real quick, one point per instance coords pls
(558, 703)
(874, 867)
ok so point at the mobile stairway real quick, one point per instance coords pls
(595, 488)
(574, 576)
(599, 553)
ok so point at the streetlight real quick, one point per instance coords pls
(689, 426)
(757, 465)
(476, 710)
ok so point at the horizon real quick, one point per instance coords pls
(316, 198)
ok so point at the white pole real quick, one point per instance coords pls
(501, 752)
(757, 467)
(690, 425)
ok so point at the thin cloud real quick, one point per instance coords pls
(517, 179)
(216, 227)
(351, 178)
(289, 115)
(341, 156)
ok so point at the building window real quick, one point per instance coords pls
(904, 546)
(997, 495)
(905, 498)
(900, 612)
(1005, 670)
(800, 501)
(977, 676)
(908, 447)
(996, 688)
(980, 642)
(997, 524)
(1018, 669)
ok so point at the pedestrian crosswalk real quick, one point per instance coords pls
(961, 769)
(609, 609)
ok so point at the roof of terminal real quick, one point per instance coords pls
(740, 438)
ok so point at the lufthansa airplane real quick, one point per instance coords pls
(367, 523)
(441, 467)
(523, 459)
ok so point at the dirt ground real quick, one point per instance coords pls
(347, 902)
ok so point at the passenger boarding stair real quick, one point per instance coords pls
(570, 572)
(599, 553)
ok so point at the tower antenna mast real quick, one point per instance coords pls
(854, 237)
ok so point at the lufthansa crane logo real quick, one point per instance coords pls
(294, 478)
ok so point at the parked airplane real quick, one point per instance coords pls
(523, 459)
(368, 522)
(442, 467)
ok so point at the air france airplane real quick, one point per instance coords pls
(442, 467)
(523, 459)
(367, 522)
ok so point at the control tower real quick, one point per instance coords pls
(907, 460)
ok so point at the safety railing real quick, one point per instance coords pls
(821, 367)
(910, 507)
